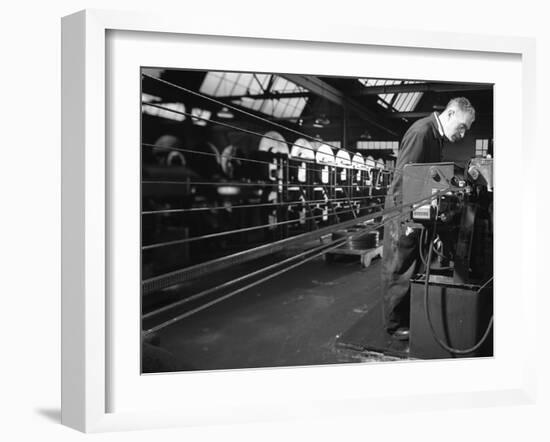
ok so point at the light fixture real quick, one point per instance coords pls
(200, 116)
(228, 190)
(365, 136)
(321, 121)
(225, 113)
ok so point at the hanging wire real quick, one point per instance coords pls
(303, 135)
(244, 229)
(230, 126)
(180, 149)
(391, 170)
(177, 276)
(249, 114)
(239, 184)
(318, 251)
(247, 206)
(266, 163)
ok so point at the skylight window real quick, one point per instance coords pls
(228, 84)
(395, 102)
(386, 97)
(482, 146)
(378, 145)
(153, 72)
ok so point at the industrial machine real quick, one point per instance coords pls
(452, 300)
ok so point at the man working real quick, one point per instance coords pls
(422, 143)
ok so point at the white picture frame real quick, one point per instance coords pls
(86, 207)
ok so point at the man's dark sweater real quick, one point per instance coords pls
(422, 143)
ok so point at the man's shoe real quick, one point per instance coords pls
(401, 334)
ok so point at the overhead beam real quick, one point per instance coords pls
(413, 115)
(319, 87)
(408, 114)
(266, 96)
(422, 87)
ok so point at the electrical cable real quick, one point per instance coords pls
(441, 343)
(421, 250)
(437, 252)
(421, 246)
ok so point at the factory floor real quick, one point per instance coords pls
(291, 320)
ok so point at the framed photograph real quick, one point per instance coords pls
(262, 191)
(226, 200)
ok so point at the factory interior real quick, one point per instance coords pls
(263, 207)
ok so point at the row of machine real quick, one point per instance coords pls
(257, 192)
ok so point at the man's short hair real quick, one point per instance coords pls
(463, 104)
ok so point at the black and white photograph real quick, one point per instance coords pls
(302, 220)
(299, 221)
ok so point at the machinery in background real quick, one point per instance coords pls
(451, 303)
(202, 203)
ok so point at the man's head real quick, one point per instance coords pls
(457, 118)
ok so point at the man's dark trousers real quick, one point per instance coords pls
(400, 263)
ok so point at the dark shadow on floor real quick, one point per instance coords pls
(291, 320)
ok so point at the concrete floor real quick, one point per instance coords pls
(292, 320)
